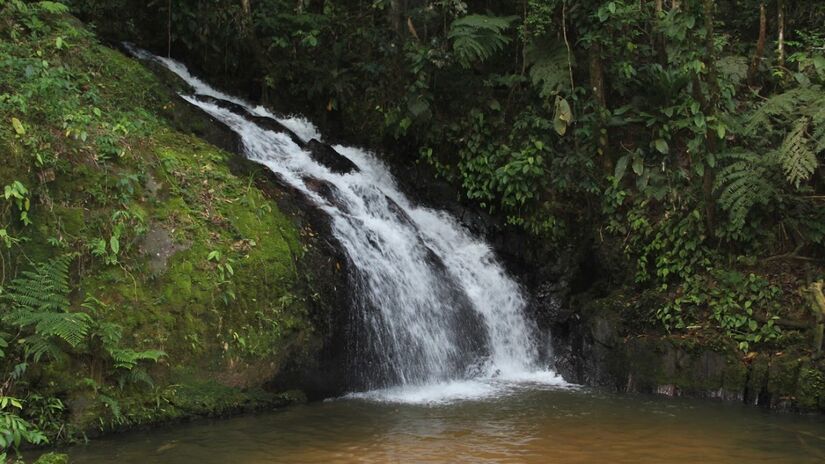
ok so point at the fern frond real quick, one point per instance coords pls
(742, 183)
(784, 105)
(38, 300)
(818, 126)
(548, 68)
(52, 7)
(111, 403)
(137, 375)
(479, 37)
(38, 347)
(733, 68)
(72, 328)
(796, 155)
(45, 288)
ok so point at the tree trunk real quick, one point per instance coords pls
(760, 43)
(658, 38)
(597, 86)
(395, 14)
(780, 50)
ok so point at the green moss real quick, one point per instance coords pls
(228, 335)
(811, 393)
(53, 458)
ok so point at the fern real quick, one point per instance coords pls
(135, 376)
(548, 68)
(733, 68)
(129, 359)
(478, 37)
(802, 112)
(52, 7)
(796, 154)
(38, 300)
(45, 288)
(818, 126)
(742, 183)
(787, 106)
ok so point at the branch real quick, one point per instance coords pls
(790, 255)
(569, 52)
(412, 30)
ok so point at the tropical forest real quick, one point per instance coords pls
(430, 231)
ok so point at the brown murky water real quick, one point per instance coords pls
(543, 425)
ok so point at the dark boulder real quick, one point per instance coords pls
(225, 104)
(263, 122)
(327, 156)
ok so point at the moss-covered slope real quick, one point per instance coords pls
(182, 254)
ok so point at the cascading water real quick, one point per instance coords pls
(440, 317)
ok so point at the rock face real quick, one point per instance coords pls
(594, 347)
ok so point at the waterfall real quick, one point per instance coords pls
(434, 305)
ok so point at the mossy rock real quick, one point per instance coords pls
(132, 173)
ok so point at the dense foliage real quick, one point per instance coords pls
(683, 142)
(688, 134)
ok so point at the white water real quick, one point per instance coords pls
(440, 319)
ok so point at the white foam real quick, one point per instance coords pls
(480, 389)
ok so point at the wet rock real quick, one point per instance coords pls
(327, 191)
(190, 119)
(233, 107)
(274, 126)
(261, 121)
(550, 303)
(327, 156)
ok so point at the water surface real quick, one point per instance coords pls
(522, 423)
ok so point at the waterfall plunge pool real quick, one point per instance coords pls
(434, 302)
(526, 422)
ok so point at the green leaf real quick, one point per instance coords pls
(563, 116)
(621, 167)
(53, 7)
(638, 165)
(18, 126)
(661, 146)
(819, 62)
(114, 243)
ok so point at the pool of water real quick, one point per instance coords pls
(478, 422)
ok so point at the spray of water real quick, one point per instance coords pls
(438, 317)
